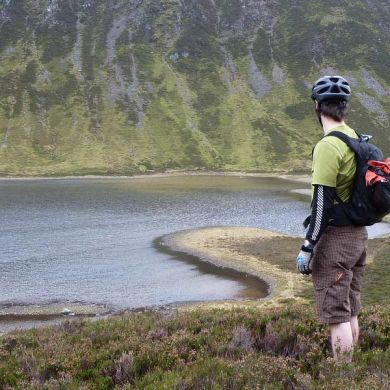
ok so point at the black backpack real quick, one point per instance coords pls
(367, 204)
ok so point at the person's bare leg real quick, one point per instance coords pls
(355, 329)
(342, 341)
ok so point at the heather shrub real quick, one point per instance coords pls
(284, 348)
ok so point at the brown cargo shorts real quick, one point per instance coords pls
(338, 265)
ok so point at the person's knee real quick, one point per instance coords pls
(341, 334)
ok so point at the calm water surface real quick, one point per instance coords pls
(92, 240)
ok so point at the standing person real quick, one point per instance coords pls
(335, 255)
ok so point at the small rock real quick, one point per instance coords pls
(67, 312)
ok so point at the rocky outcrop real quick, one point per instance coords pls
(373, 106)
(133, 93)
(258, 82)
(373, 84)
(77, 49)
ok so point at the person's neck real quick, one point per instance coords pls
(328, 124)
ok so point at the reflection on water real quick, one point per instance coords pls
(91, 240)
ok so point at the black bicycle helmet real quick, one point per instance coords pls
(331, 88)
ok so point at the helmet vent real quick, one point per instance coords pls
(323, 90)
(335, 89)
(334, 79)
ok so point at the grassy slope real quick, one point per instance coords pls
(174, 92)
(239, 348)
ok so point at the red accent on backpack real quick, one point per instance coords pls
(372, 177)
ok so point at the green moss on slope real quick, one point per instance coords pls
(178, 91)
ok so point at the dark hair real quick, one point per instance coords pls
(335, 109)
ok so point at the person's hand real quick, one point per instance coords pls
(304, 259)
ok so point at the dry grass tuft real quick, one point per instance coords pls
(242, 339)
(122, 369)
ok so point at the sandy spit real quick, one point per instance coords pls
(213, 245)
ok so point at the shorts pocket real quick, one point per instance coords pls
(332, 295)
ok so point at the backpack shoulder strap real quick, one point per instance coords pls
(351, 142)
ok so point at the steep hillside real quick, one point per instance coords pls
(95, 86)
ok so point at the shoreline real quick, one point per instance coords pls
(28, 315)
(281, 175)
(212, 245)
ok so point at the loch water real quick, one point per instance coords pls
(91, 240)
